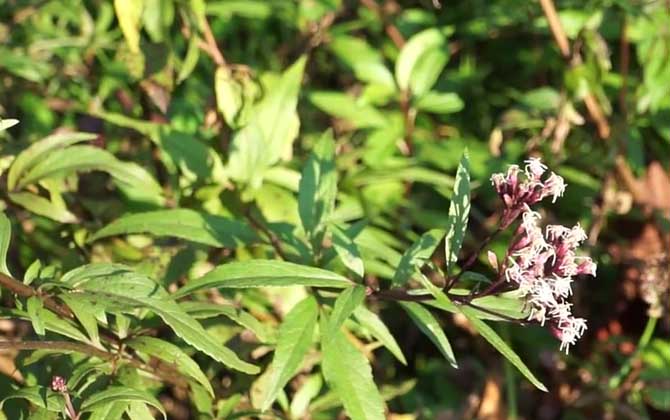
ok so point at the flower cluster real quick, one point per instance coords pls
(542, 264)
(519, 189)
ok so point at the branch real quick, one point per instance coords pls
(25, 291)
(212, 47)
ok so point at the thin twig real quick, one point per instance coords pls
(272, 238)
(212, 47)
(23, 290)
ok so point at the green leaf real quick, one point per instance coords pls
(345, 304)
(431, 328)
(6, 123)
(427, 70)
(63, 162)
(300, 401)
(139, 411)
(124, 394)
(191, 59)
(43, 207)
(39, 396)
(5, 239)
(318, 186)
(39, 151)
(271, 130)
(418, 45)
(347, 250)
(264, 273)
(172, 354)
(34, 308)
(182, 223)
(371, 321)
(459, 210)
(228, 94)
(344, 106)
(349, 374)
(417, 255)
(121, 289)
(295, 338)
(499, 344)
(201, 310)
(110, 411)
(440, 103)
(129, 15)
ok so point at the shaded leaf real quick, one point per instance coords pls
(459, 210)
(124, 394)
(431, 328)
(373, 323)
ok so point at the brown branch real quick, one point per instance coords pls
(592, 105)
(23, 290)
(390, 29)
(272, 238)
(212, 47)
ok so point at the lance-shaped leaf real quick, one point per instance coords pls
(411, 57)
(182, 223)
(295, 337)
(5, 238)
(345, 304)
(318, 186)
(459, 210)
(121, 394)
(347, 250)
(417, 255)
(371, 321)
(431, 328)
(264, 273)
(499, 344)
(349, 374)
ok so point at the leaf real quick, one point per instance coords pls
(300, 401)
(182, 223)
(116, 394)
(5, 239)
(371, 321)
(346, 107)
(190, 61)
(139, 411)
(431, 328)
(271, 130)
(39, 396)
(440, 103)
(172, 354)
(499, 344)
(86, 314)
(349, 374)
(347, 250)
(295, 338)
(202, 310)
(129, 14)
(6, 123)
(121, 289)
(459, 210)
(345, 304)
(63, 162)
(40, 150)
(228, 94)
(416, 256)
(318, 186)
(43, 207)
(110, 411)
(412, 52)
(34, 307)
(264, 273)
(427, 70)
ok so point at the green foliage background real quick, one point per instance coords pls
(319, 145)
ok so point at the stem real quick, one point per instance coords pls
(641, 345)
(473, 257)
(272, 238)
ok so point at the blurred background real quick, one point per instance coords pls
(584, 84)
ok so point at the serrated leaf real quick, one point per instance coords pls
(347, 250)
(431, 328)
(411, 53)
(36, 152)
(172, 354)
(420, 251)
(264, 273)
(373, 323)
(349, 374)
(318, 186)
(459, 210)
(295, 338)
(86, 314)
(499, 344)
(5, 239)
(121, 288)
(116, 394)
(345, 305)
(43, 207)
(182, 223)
(129, 15)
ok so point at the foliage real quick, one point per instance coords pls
(247, 209)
